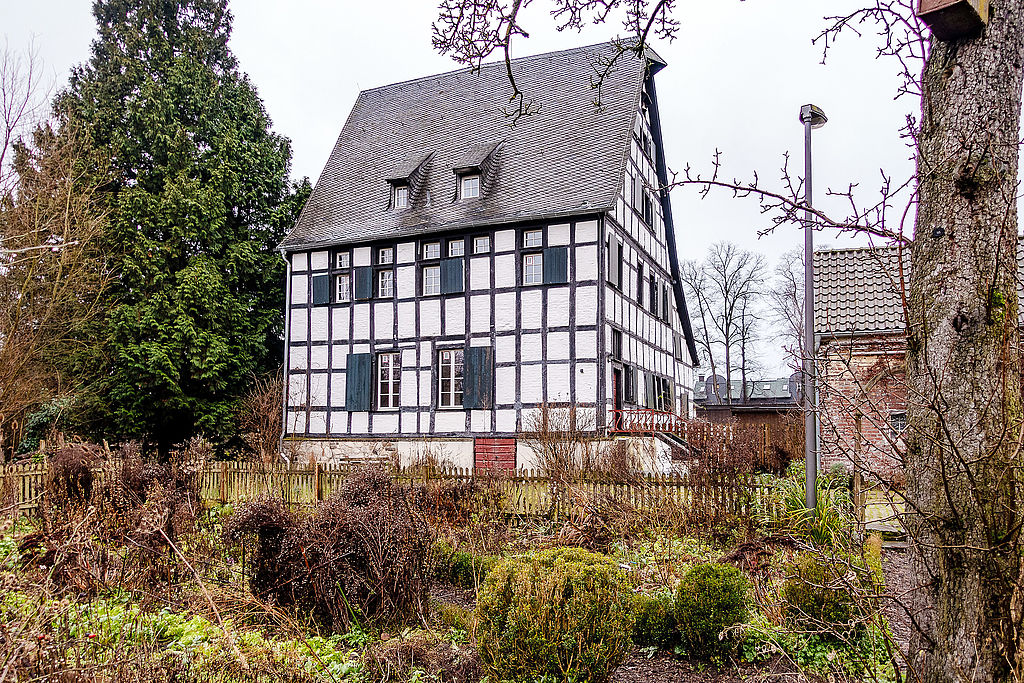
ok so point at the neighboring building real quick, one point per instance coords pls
(452, 272)
(861, 341)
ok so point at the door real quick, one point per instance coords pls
(616, 397)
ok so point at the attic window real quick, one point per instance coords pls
(400, 197)
(470, 186)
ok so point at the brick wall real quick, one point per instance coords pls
(862, 387)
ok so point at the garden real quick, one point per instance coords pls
(125, 573)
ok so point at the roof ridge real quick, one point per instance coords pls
(838, 250)
(489, 65)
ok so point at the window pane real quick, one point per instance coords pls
(385, 284)
(470, 187)
(343, 287)
(385, 255)
(344, 259)
(457, 248)
(481, 244)
(533, 269)
(432, 280)
(401, 197)
(432, 250)
(533, 238)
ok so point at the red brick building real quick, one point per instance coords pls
(861, 343)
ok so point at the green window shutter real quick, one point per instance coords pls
(614, 261)
(452, 280)
(478, 378)
(321, 290)
(649, 391)
(664, 303)
(364, 283)
(359, 382)
(556, 265)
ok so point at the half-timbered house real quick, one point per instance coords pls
(454, 269)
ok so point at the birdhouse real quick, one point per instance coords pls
(954, 19)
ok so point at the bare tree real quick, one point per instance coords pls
(786, 305)
(50, 279)
(726, 288)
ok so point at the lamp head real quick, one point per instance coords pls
(809, 113)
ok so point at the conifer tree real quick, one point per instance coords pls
(198, 197)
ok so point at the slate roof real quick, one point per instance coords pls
(775, 391)
(857, 290)
(566, 159)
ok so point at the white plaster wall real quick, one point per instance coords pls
(300, 262)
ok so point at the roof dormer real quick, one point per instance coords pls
(406, 181)
(474, 169)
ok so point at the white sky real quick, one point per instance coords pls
(736, 77)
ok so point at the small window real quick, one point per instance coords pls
(533, 269)
(533, 238)
(449, 374)
(457, 247)
(385, 284)
(653, 296)
(482, 244)
(389, 380)
(629, 380)
(385, 256)
(343, 260)
(645, 142)
(897, 424)
(616, 344)
(431, 280)
(400, 197)
(648, 209)
(432, 250)
(343, 288)
(470, 186)
(639, 283)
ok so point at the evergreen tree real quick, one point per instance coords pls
(198, 197)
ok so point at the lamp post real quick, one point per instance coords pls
(812, 117)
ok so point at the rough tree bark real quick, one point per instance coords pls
(964, 360)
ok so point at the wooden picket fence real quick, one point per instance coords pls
(524, 492)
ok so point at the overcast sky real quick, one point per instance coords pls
(736, 77)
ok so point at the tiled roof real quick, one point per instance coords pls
(566, 159)
(858, 290)
(768, 390)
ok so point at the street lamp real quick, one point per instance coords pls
(812, 117)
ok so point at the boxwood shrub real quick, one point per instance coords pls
(654, 621)
(709, 599)
(564, 614)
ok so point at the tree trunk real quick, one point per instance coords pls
(963, 358)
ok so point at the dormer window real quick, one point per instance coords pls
(400, 197)
(470, 187)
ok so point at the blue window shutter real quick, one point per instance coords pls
(556, 265)
(364, 283)
(321, 290)
(359, 382)
(478, 378)
(452, 280)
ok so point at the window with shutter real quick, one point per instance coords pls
(450, 372)
(653, 298)
(364, 283)
(556, 265)
(639, 283)
(452, 280)
(664, 303)
(321, 290)
(614, 262)
(359, 382)
(478, 383)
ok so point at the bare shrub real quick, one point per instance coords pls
(395, 659)
(260, 420)
(364, 552)
(720, 478)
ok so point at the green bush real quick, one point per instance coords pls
(654, 623)
(459, 567)
(709, 599)
(563, 613)
(818, 595)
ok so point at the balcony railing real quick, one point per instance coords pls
(640, 421)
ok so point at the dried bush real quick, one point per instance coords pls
(364, 552)
(564, 614)
(70, 479)
(399, 659)
(709, 599)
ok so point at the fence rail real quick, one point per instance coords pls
(525, 492)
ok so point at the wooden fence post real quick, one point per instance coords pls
(224, 482)
(317, 486)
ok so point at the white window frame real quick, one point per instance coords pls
(389, 380)
(432, 250)
(386, 256)
(469, 186)
(400, 197)
(343, 260)
(450, 377)
(456, 248)
(343, 288)
(431, 280)
(533, 238)
(533, 269)
(385, 284)
(482, 244)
